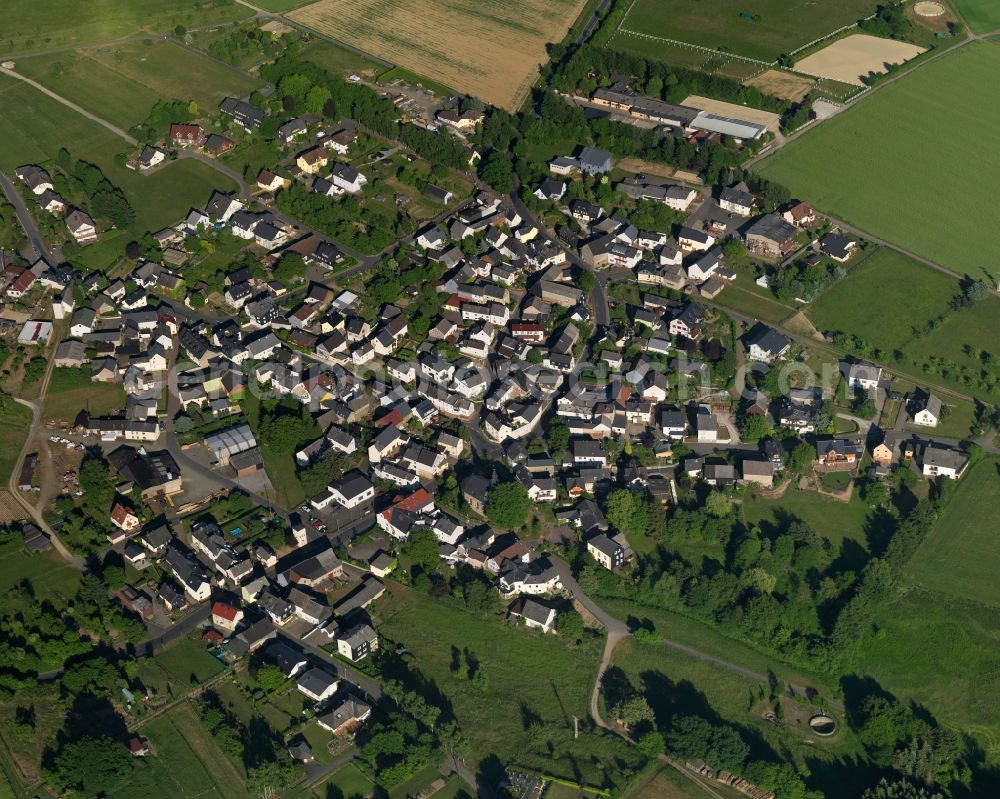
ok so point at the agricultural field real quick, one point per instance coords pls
(959, 556)
(982, 16)
(31, 25)
(854, 303)
(15, 420)
(122, 83)
(773, 27)
(430, 630)
(492, 53)
(189, 761)
(44, 125)
(72, 390)
(884, 144)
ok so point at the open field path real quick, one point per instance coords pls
(617, 630)
(70, 104)
(32, 512)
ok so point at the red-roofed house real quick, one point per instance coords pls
(186, 135)
(417, 501)
(124, 518)
(21, 285)
(226, 617)
(528, 331)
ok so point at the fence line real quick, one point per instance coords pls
(696, 47)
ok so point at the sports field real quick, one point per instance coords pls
(492, 51)
(773, 27)
(858, 303)
(914, 163)
(959, 557)
(42, 126)
(121, 84)
(33, 25)
(983, 16)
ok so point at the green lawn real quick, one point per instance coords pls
(943, 652)
(983, 16)
(666, 783)
(43, 126)
(122, 84)
(192, 764)
(338, 60)
(743, 296)
(780, 27)
(51, 578)
(104, 254)
(530, 678)
(280, 6)
(281, 469)
(15, 422)
(959, 557)
(875, 166)
(835, 520)
(857, 304)
(348, 780)
(189, 662)
(71, 391)
(30, 25)
(836, 481)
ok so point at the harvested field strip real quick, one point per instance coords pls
(491, 51)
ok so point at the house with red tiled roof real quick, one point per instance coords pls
(186, 135)
(124, 518)
(22, 284)
(226, 617)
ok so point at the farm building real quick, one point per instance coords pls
(229, 442)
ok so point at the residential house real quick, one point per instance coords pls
(938, 461)
(606, 551)
(930, 411)
(766, 345)
(534, 614)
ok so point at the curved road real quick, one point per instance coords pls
(36, 516)
(25, 218)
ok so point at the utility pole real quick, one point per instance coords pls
(576, 728)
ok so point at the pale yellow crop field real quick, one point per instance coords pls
(490, 50)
